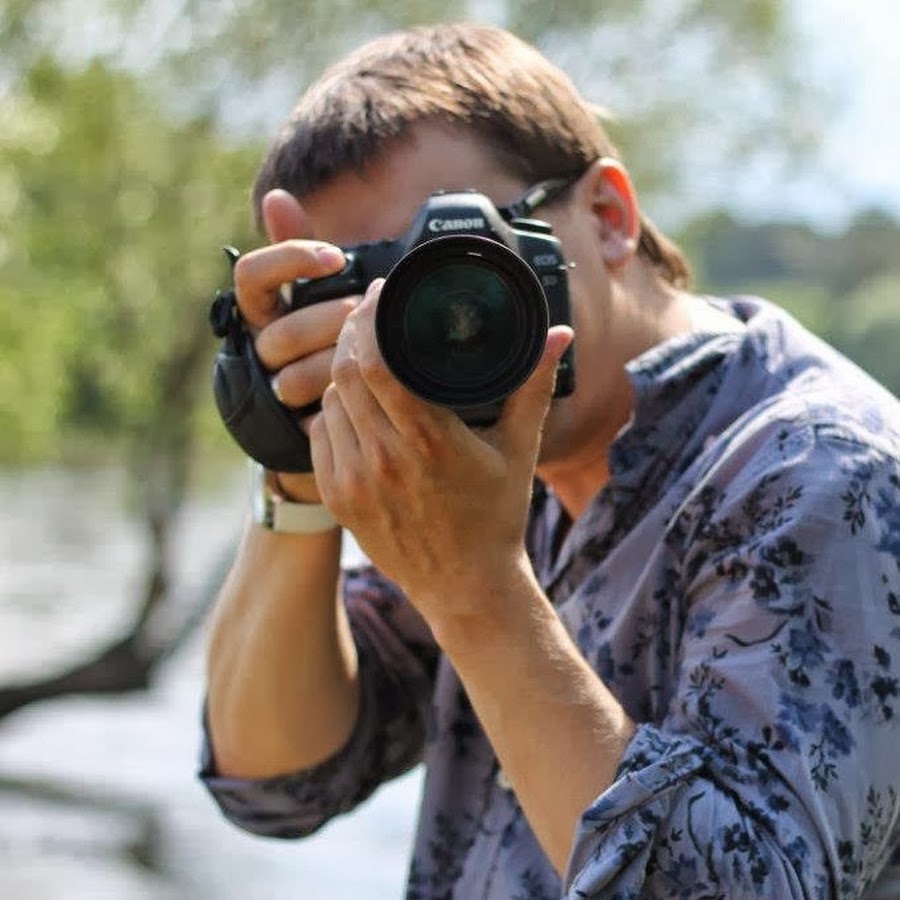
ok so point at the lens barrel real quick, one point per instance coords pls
(462, 321)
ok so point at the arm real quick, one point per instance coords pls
(558, 732)
(396, 662)
(441, 510)
(289, 692)
(282, 668)
(721, 797)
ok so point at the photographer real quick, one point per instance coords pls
(645, 636)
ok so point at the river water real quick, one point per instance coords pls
(98, 797)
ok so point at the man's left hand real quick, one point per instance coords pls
(437, 506)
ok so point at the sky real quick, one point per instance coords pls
(854, 45)
(853, 48)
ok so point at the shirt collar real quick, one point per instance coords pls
(675, 386)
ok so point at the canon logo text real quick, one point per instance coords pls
(441, 225)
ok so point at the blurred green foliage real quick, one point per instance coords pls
(845, 287)
(112, 215)
(130, 131)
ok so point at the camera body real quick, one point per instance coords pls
(469, 294)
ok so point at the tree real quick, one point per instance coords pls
(127, 147)
(697, 91)
(845, 287)
(117, 213)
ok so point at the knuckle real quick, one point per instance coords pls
(345, 307)
(373, 369)
(330, 398)
(344, 370)
(424, 441)
(247, 279)
(317, 431)
(351, 490)
(383, 462)
(243, 272)
(269, 343)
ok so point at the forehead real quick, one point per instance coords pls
(380, 201)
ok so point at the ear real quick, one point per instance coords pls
(613, 201)
(284, 217)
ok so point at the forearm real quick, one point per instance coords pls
(282, 686)
(557, 731)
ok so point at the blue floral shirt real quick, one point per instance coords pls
(736, 585)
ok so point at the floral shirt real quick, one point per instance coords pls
(736, 585)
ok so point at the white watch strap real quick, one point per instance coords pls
(277, 513)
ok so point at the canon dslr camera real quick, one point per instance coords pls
(462, 319)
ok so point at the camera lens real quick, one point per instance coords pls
(458, 319)
(462, 321)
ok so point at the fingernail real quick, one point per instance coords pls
(330, 256)
(273, 383)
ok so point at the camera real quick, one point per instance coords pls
(470, 292)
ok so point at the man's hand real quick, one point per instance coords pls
(438, 507)
(441, 509)
(297, 347)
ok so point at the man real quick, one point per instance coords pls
(645, 637)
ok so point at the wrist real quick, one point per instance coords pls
(275, 511)
(295, 487)
(473, 614)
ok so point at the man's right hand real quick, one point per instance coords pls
(282, 668)
(296, 347)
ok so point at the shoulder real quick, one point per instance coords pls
(803, 400)
(814, 440)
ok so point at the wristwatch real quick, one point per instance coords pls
(272, 510)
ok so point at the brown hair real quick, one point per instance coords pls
(475, 77)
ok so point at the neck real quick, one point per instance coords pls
(575, 486)
(576, 475)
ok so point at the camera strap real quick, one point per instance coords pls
(264, 428)
(537, 195)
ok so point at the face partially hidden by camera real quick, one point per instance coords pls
(597, 226)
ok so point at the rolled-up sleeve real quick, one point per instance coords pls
(397, 660)
(774, 769)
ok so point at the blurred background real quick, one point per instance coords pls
(763, 134)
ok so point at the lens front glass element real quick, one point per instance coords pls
(462, 321)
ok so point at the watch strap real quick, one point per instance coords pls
(272, 510)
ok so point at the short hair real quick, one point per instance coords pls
(476, 78)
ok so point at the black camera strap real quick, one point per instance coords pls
(537, 195)
(264, 428)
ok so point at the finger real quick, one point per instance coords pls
(284, 217)
(525, 409)
(303, 381)
(369, 420)
(303, 332)
(321, 455)
(342, 436)
(409, 416)
(306, 423)
(259, 275)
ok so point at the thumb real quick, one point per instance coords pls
(284, 217)
(524, 410)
